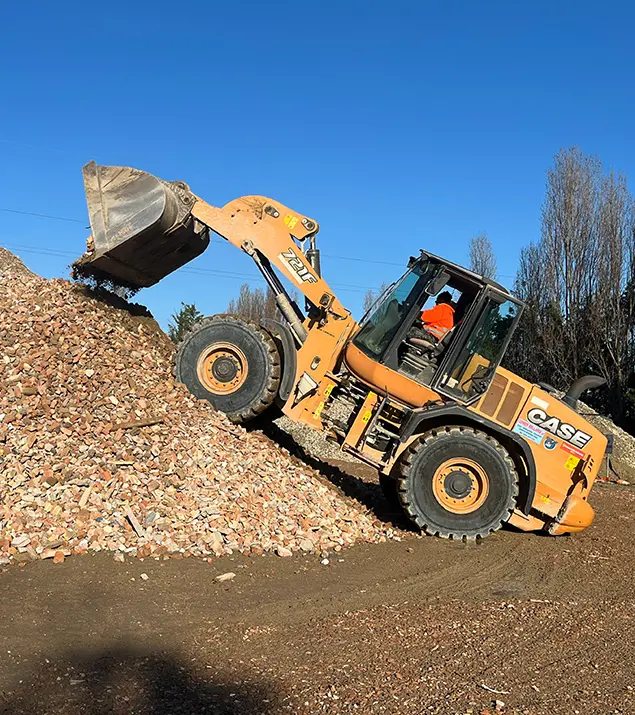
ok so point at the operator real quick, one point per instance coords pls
(439, 320)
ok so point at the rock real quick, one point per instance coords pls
(58, 558)
(229, 576)
(307, 545)
(144, 576)
(22, 557)
(325, 562)
(283, 551)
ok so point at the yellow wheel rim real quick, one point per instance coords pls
(460, 485)
(222, 368)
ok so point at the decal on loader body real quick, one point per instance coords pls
(564, 430)
(572, 450)
(529, 431)
(298, 270)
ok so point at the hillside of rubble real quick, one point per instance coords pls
(101, 450)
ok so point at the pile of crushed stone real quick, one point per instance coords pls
(621, 464)
(11, 265)
(101, 450)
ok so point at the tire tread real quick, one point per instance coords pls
(270, 389)
(405, 481)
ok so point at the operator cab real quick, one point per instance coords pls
(459, 359)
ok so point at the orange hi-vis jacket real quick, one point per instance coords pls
(438, 320)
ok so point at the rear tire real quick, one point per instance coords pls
(231, 362)
(457, 483)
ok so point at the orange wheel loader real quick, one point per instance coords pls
(464, 444)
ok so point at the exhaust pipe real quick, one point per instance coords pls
(142, 226)
(579, 386)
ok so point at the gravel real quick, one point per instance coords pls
(313, 442)
(101, 450)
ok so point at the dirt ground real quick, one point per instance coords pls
(412, 626)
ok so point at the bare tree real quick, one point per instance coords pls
(570, 249)
(253, 303)
(610, 315)
(482, 258)
(369, 299)
(578, 283)
(525, 354)
(371, 296)
(270, 307)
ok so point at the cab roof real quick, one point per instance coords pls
(468, 275)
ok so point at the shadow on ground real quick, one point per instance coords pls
(126, 680)
(355, 480)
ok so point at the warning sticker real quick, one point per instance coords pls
(528, 431)
(290, 220)
(572, 463)
(572, 450)
(318, 410)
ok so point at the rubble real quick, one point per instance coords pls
(313, 442)
(11, 265)
(622, 461)
(101, 450)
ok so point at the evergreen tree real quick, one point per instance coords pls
(182, 321)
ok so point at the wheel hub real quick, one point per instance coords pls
(460, 485)
(222, 368)
(225, 369)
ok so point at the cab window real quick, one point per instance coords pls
(470, 373)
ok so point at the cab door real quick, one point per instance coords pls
(468, 368)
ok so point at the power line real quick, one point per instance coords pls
(217, 241)
(339, 258)
(217, 273)
(220, 241)
(54, 218)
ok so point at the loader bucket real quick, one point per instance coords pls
(142, 226)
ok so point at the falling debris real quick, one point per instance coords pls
(101, 450)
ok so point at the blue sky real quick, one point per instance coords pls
(397, 125)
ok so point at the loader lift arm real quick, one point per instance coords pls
(272, 230)
(144, 228)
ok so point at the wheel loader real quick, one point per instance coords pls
(464, 444)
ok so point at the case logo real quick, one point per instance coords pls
(564, 430)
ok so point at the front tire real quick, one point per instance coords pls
(231, 362)
(458, 483)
